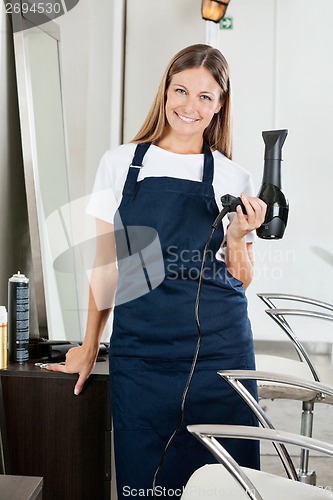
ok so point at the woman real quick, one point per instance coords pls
(162, 207)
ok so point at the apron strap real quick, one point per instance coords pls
(208, 170)
(141, 150)
(134, 169)
(139, 153)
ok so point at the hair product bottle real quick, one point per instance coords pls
(18, 318)
(3, 338)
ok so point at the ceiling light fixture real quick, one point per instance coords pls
(213, 10)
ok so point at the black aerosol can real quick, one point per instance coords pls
(18, 318)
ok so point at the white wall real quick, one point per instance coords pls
(155, 31)
(281, 59)
(280, 54)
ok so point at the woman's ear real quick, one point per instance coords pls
(219, 106)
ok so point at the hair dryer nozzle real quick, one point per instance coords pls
(270, 191)
(274, 140)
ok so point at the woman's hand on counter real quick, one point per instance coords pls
(78, 360)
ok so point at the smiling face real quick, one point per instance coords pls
(193, 97)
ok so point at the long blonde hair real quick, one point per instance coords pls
(218, 134)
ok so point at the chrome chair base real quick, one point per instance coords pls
(308, 477)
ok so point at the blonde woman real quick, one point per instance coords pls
(162, 191)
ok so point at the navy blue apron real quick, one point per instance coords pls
(155, 334)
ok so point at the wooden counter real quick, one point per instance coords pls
(52, 433)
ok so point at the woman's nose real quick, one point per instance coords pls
(189, 105)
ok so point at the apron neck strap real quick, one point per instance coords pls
(208, 170)
(139, 154)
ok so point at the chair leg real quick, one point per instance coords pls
(304, 475)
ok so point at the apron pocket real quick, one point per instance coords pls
(147, 393)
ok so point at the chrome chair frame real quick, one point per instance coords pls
(312, 390)
(208, 434)
(269, 297)
(278, 315)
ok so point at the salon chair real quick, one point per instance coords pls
(279, 316)
(304, 368)
(226, 480)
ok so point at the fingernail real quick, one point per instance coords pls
(76, 392)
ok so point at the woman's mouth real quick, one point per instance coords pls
(185, 119)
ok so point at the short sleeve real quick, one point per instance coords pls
(250, 237)
(104, 199)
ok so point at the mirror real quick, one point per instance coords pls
(46, 173)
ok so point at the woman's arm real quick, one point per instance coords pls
(239, 257)
(103, 284)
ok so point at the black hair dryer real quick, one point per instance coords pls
(270, 192)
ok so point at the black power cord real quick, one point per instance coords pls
(229, 204)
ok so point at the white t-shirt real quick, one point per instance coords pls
(229, 178)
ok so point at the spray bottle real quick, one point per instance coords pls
(3, 338)
(18, 318)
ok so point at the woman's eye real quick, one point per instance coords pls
(180, 91)
(206, 97)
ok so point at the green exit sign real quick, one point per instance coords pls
(227, 23)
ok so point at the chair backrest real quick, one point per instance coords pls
(208, 434)
(316, 389)
(268, 299)
(278, 315)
